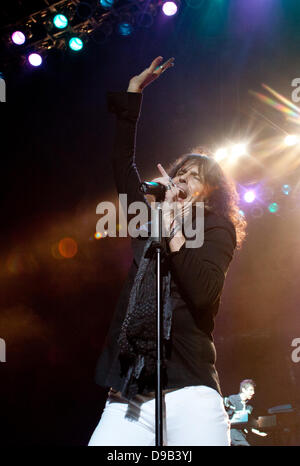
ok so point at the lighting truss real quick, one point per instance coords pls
(140, 13)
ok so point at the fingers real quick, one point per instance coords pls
(160, 69)
(156, 62)
(162, 180)
(162, 170)
(142, 80)
(165, 175)
(168, 64)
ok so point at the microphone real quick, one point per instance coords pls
(156, 189)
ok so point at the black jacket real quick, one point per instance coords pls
(197, 275)
(236, 401)
(238, 434)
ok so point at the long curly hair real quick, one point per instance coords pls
(223, 198)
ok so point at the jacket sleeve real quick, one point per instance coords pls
(232, 400)
(200, 272)
(126, 106)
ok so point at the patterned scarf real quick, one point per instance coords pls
(137, 338)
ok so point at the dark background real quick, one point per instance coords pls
(56, 140)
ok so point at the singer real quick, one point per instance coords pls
(193, 279)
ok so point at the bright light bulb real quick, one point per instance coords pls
(35, 59)
(221, 153)
(238, 150)
(291, 140)
(60, 21)
(75, 44)
(169, 8)
(18, 38)
(249, 196)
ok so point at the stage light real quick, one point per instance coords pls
(170, 8)
(273, 207)
(286, 189)
(125, 29)
(18, 38)
(107, 3)
(291, 140)
(35, 59)
(75, 44)
(249, 196)
(220, 154)
(60, 21)
(238, 150)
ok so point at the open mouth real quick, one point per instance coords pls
(182, 192)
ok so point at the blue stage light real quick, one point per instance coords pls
(60, 21)
(75, 44)
(107, 3)
(125, 29)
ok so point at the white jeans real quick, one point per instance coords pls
(191, 416)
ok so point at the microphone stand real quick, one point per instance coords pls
(159, 342)
(156, 190)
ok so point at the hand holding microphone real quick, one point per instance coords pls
(163, 188)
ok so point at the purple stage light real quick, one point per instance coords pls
(249, 196)
(35, 59)
(169, 8)
(18, 38)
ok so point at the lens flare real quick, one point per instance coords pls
(281, 98)
(273, 208)
(67, 248)
(289, 109)
(286, 189)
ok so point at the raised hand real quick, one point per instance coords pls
(139, 82)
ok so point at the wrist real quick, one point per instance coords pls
(168, 222)
(134, 89)
(176, 242)
(175, 231)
